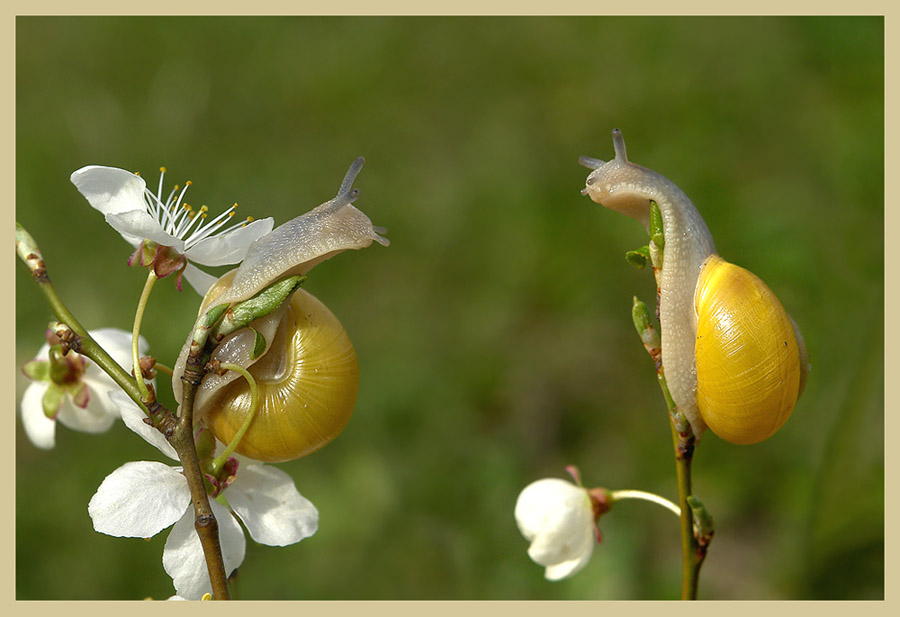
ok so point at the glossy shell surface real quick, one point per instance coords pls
(748, 360)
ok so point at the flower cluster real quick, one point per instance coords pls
(142, 498)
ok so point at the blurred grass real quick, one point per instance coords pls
(493, 334)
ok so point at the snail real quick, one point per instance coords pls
(306, 369)
(734, 360)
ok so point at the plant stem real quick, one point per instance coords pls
(181, 435)
(644, 495)
(28, 251)
(683, 439)
(254, 403)
(178, 431)
(136, 333)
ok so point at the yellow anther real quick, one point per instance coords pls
(176, 188)
(137, 173)
(230, 214)
(206, 597)
(249, 219)
(188, 183)
(235, 205)
(203, 208)
(162, 170)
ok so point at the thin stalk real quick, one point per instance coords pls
(645, 496)
(136, 333)
(254, 400)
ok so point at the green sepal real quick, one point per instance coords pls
(638, 257)
(37, 370)
(52, 400)
(259, 345)
(260, 305)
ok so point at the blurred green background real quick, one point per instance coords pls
(494, 334)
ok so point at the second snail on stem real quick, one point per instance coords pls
(735, 361)
(302, 362)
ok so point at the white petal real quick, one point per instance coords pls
(269, 505)
(565, 535)
(568, 568)
(139, 499)
(199, 280)
(133, 417)
(117, 343)
(137, 225)
(541, 498)
(231, 247)
(109, 189)
(183, 558)
(40, 429)
(97, 417)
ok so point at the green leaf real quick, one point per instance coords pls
(638, 257)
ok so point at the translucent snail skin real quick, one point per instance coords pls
(735, 362)
(307, 376)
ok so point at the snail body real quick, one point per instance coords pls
(306, 370)
(734, 360)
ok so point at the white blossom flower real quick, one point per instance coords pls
(72, 390)
(140, 215)
(557, 517)
(140, 499)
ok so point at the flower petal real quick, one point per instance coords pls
(230, 247)
(139, 499)
(117, 343)
(566, 534)
(566, 569)
(268, 503)
(96, 417)
(40, 429)
(199, 280)
(133, 417)
(541, 498)
(137, 225)
(183, 558)
(109, 189)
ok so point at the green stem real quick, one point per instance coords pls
(28, 251)
(683, 438)
(136, 333)
(254, 398)
(645, 496)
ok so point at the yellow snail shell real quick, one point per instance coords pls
(734, 360)
(307, 383)
(307, 376)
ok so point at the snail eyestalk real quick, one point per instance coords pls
(254, 405)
